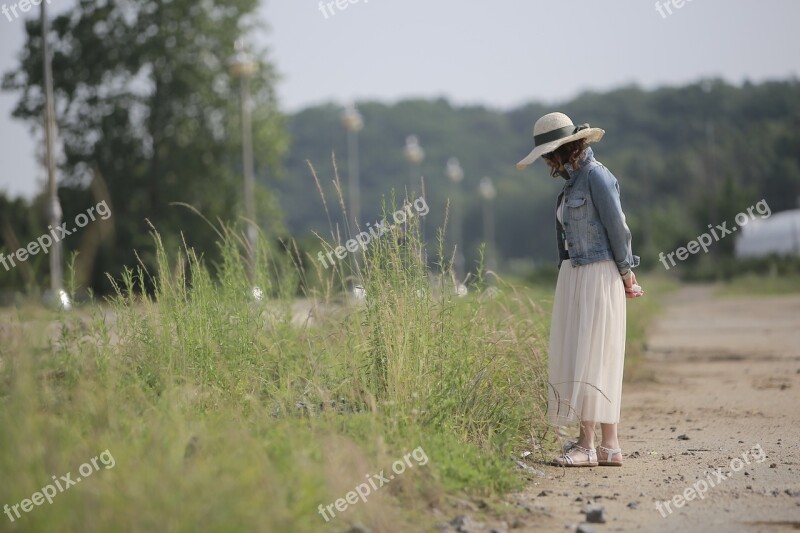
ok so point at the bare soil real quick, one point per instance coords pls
(723, 376)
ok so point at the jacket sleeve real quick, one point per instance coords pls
(604, 188)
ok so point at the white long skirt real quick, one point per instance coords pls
(587, 344)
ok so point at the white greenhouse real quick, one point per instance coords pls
(777, 235)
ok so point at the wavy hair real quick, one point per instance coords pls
(566, 153)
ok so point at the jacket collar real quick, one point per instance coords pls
(586, 158)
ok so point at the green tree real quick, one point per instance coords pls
(149, 115)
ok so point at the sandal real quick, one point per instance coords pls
(567, 459)
(609, 452)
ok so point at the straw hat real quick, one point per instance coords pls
(554, 130)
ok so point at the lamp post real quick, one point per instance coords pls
(488, 193)
(243, 66)
(415, 155)
(456, 175)
(54, 213)
(353, 123)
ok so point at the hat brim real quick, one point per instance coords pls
(591, 134)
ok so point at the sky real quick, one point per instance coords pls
(498, 53)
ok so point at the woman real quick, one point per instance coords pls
(587, 334)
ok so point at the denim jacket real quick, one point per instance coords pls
(594, 224)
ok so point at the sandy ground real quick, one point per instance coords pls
(724, 372)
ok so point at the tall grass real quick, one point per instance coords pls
(228, 412)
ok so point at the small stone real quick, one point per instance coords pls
(596, 516)
(358, 528)
(529, 469)
(585, 528)
(578, 499)
(773, 465)
(683, 437)
(543, 493)
(633, 505)
(465, 524)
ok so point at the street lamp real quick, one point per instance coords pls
(54, 212)
(456, 175)
(243, 66)
(488, 193)
(415, 155)
(353, 122)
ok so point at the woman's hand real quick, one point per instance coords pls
(632, 289)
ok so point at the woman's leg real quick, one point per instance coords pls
(586, 437)
(609, 441)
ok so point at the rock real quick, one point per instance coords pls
(773, 465)
(531, 470)
(683, 437)
(633, 505)
(543, 493)
(596, 516)
(585, 528)
(465, 524)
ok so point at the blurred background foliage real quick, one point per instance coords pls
(685, 157)
(148, 116)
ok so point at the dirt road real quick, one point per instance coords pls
(724, 379)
